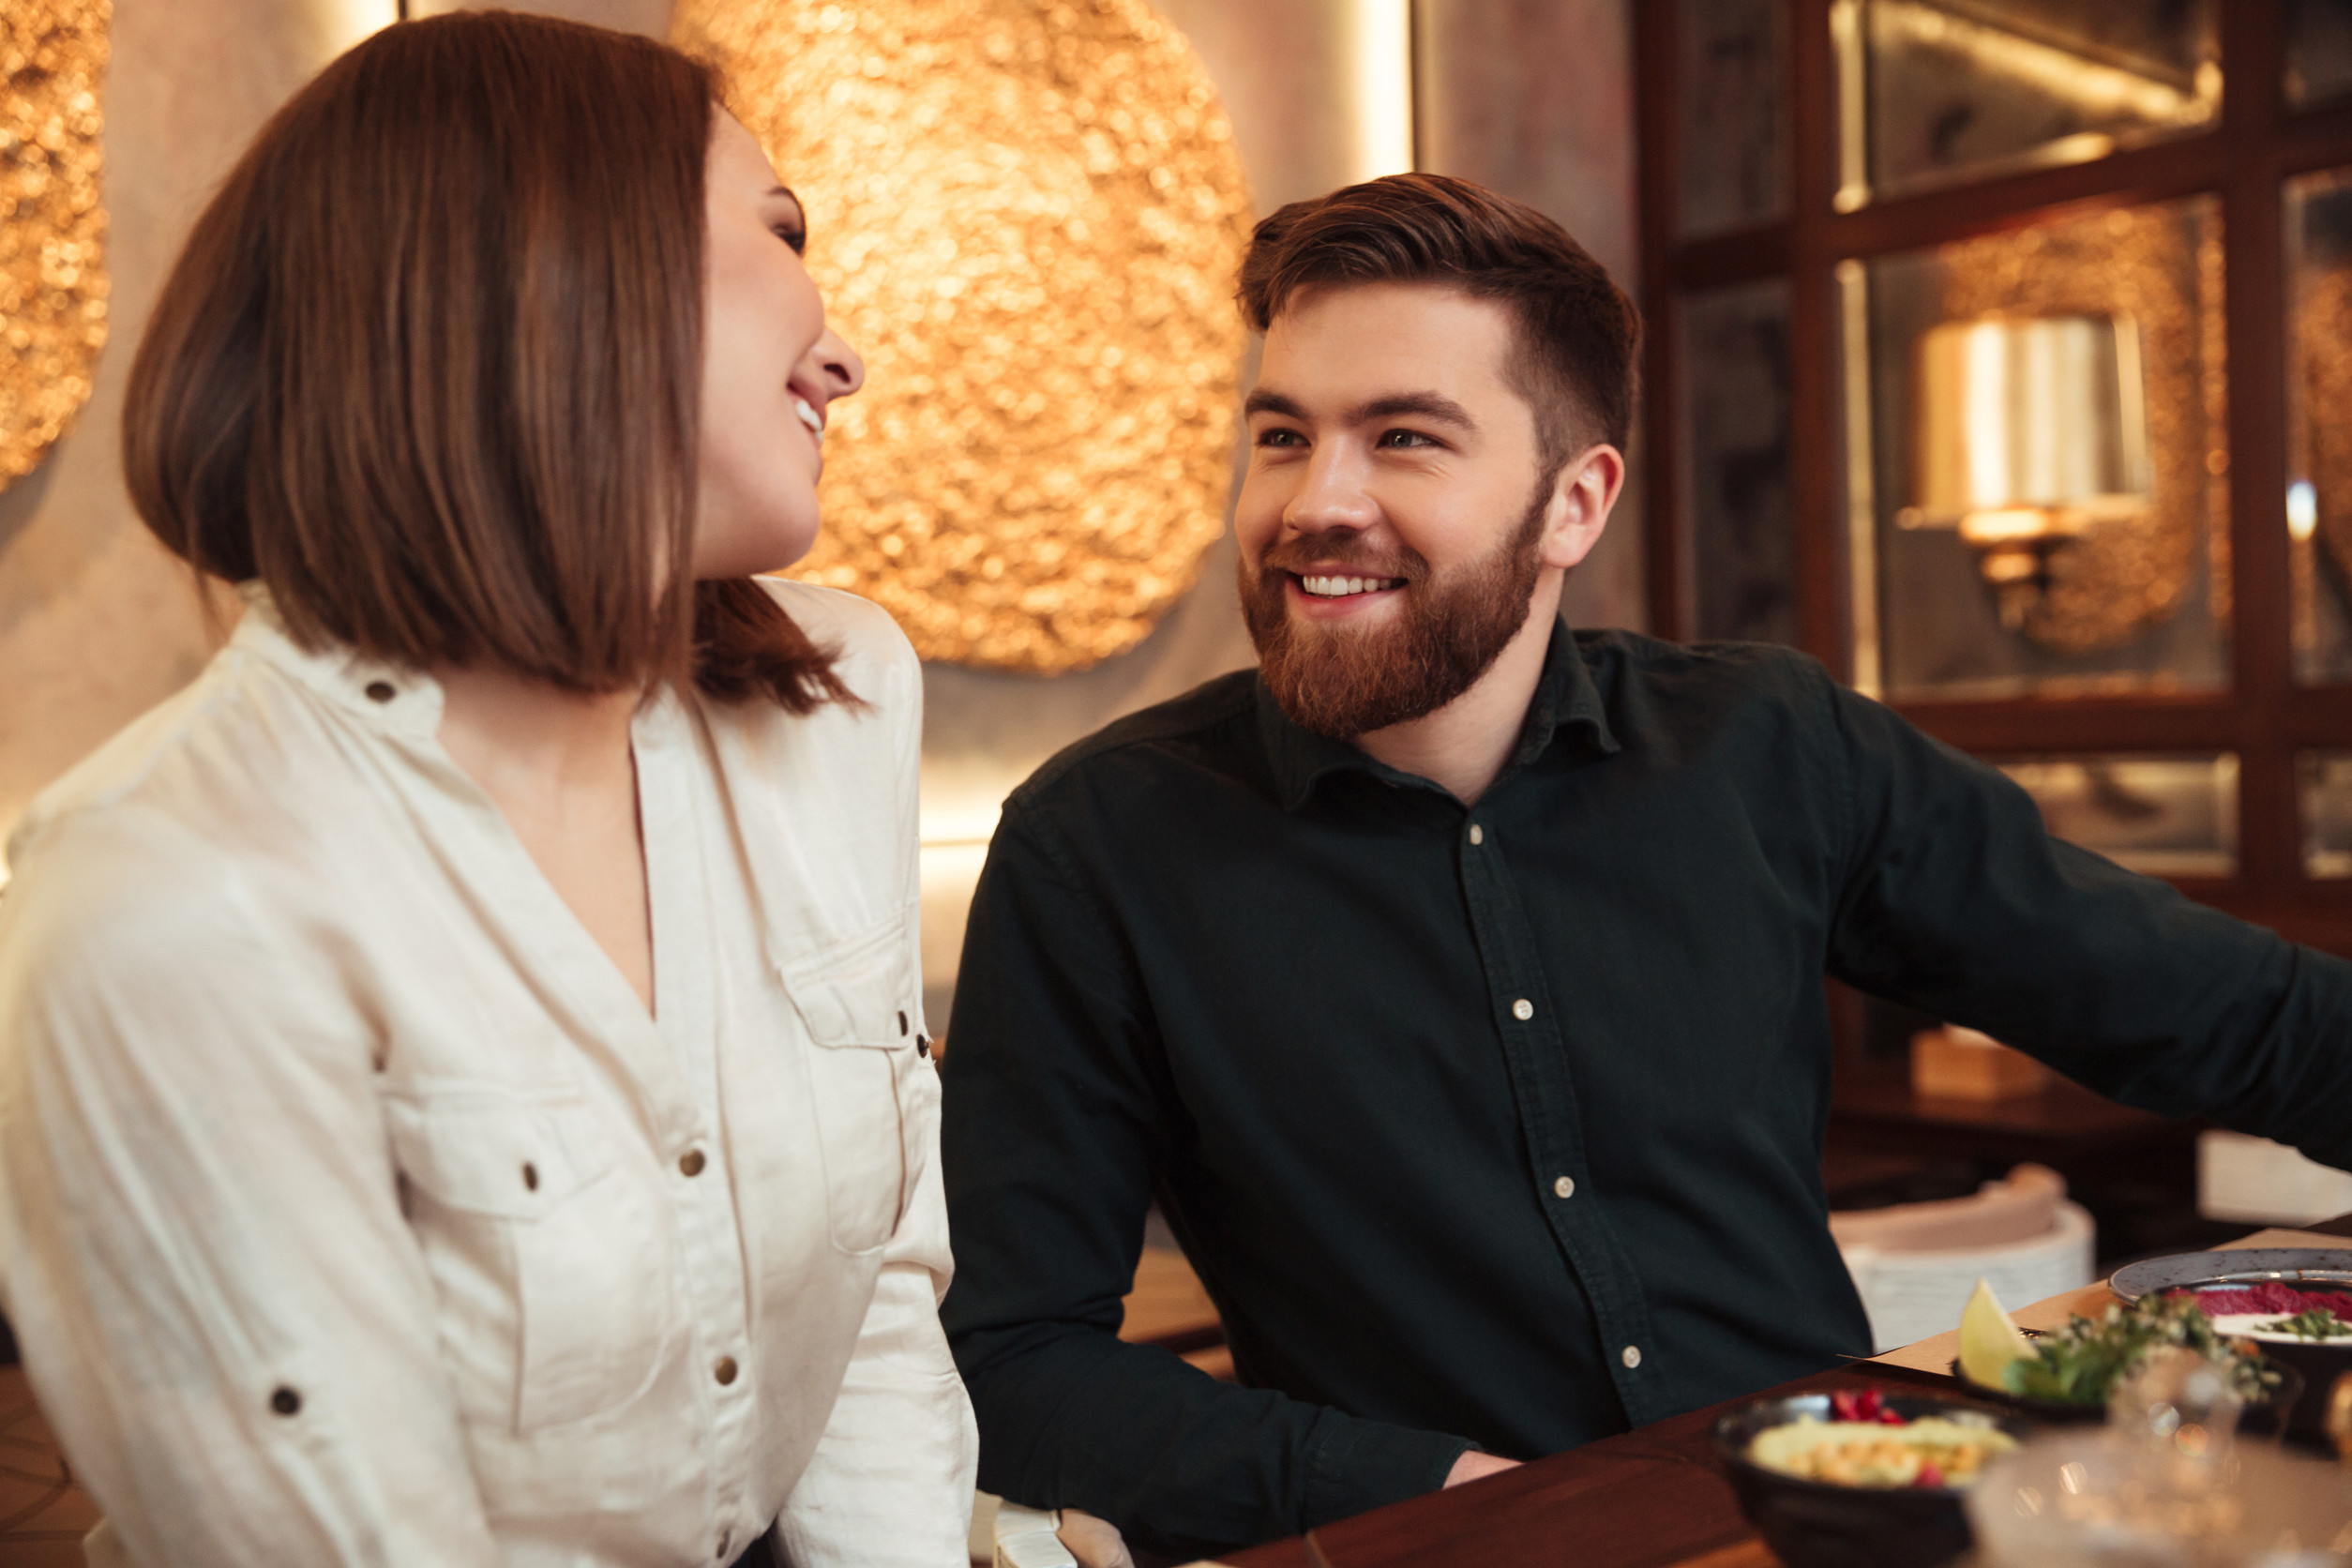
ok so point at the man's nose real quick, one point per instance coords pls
(1333, 495)
(843, 372)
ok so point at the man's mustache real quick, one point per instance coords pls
(1296, 555)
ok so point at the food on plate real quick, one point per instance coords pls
(2082, 1363)
(1989, 1341)
(2272, 1310)
(1868, 1445)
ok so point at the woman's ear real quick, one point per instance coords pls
(1586, 489)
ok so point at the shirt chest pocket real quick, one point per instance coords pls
(532, 1208)
(859, 1003)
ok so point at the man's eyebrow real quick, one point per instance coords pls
(1423, 405)
(1264, 402)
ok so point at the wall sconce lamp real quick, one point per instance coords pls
(2030, 430)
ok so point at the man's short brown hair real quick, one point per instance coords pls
(430, 366)
(1576, 331)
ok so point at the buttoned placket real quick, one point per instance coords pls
(677, 850)
(1535, 1048)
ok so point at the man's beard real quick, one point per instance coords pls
(1344, 682)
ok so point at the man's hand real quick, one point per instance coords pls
(1469, 1467)
(1094, 1542)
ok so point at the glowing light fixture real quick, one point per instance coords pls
(1029, 218)
(2302, 510)
(52, 226)
(2030, 432)
(1381, 47)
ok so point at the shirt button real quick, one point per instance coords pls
(725, 1370)
(724, 1542)
(1565, 1187)
(1631, 1356)
(1523, 1009)
(380, 691)
(690, 1163)
(1478, 835)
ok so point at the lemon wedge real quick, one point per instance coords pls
(1989, 1342)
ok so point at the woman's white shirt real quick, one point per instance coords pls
(353, 1209)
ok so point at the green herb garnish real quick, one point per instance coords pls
(2082, 1363)
(2313, 1322)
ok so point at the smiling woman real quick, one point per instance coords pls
(463, 1062)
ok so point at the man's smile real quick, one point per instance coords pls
(1328, 587)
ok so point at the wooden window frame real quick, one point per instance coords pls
(2244, 161)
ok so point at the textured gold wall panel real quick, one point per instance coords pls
(2127, 574)
(1029, 218)
(53, 229)
(2323, 331)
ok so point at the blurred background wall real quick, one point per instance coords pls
(1532, 96)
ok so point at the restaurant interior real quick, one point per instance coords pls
(1998, 355)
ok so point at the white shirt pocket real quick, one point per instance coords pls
(528, 1199)
(859, 1000)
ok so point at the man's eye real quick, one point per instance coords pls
(1280, 438)
(1404, 438)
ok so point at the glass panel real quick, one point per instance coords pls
(2326, 777)
(1735, 370)
(2318, 50)
(2044, 458)
(1735, 114)
(2319, 424)
(1935, 91)
(2164, 816)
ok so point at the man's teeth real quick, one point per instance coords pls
(809, 417)
(1337, 587)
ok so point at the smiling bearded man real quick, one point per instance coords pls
(1453, 981)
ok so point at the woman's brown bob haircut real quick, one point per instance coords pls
(1576, 331)
(430, 368)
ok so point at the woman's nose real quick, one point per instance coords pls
(844, 371)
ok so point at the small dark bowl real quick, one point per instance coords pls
(1818, 1524)
(2262, 1418)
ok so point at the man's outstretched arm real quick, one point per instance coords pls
(1957, 902)
(1058, 1102)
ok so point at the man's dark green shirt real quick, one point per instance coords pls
(1504, 1124)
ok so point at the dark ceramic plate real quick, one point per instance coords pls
(2319, 1362)
(1817, 1523)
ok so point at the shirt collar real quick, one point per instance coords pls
(1566, 705)
(393, 697)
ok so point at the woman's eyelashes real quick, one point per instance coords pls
(793, 236)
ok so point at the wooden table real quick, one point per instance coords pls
(1652, 1498)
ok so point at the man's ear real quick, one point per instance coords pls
(1581, 498)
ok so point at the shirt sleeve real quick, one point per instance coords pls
(891, 1483)
(1955, 900)
(202, 1248)
(1055, 1110)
